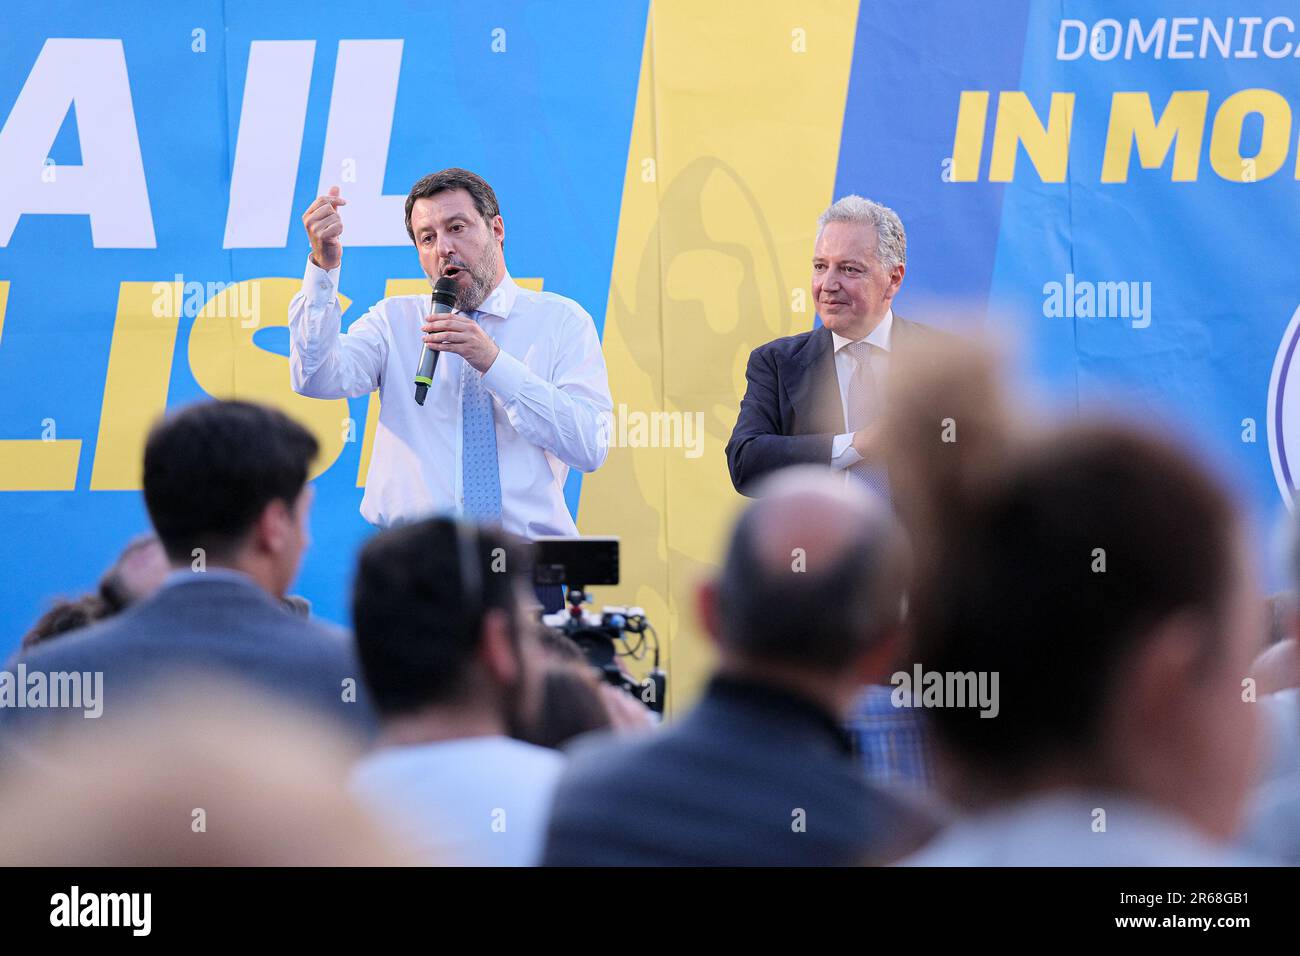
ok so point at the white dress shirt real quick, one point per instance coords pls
(843, 454)
(478, 801)
(550, 391)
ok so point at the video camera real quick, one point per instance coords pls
(577, 563)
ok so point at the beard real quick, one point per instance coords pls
(482, 275)
(520, 724)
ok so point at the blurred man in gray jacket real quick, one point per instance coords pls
(226, 487)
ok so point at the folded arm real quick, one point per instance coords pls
(757, 444)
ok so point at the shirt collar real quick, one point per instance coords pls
(501, 299)
(882, 336)
(185, 575)
(772, 699)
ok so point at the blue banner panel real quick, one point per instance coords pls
(150, 159)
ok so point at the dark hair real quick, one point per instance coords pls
(559, 647)
(571, 706)
(66, 614)
(416, 613)
(485, 200)
(1017, 589)
(819, 619)
(211, 469)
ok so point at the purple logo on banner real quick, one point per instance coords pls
(1284, 412)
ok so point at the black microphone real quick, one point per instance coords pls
(444, 301)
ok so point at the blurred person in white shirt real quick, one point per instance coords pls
(454, 669)
(1102, 575)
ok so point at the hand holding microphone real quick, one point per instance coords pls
(444, 302)
(450, 331)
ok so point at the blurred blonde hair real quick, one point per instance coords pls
(133, 792)
(947, 431)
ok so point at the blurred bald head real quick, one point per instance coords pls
(814, 573)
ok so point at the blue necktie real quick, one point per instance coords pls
(863, 401)
(480, 474)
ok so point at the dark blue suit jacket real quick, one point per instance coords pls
(222, 626)
(752, 776)
(791, 411)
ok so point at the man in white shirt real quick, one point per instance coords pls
(454, 670)
(520, 393)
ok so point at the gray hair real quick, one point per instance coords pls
(891, 239)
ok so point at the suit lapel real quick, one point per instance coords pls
(901, 335)
(814, 387)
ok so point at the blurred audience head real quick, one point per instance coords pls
(138, 571)
(559, 647)
(65, 615)
(227, 482)
(1103, 578)
(206, 787)
(811, 588)
(1278, 667)
(1279, 618)
(572, 704)
(136, 574)
(576, 699)
(948, 427)
(437, 616)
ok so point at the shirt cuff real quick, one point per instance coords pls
(505, 377)
(320, 287)
(843, 454)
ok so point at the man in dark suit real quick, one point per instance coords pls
(805, 610)
(816, 397)
(225, 484)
